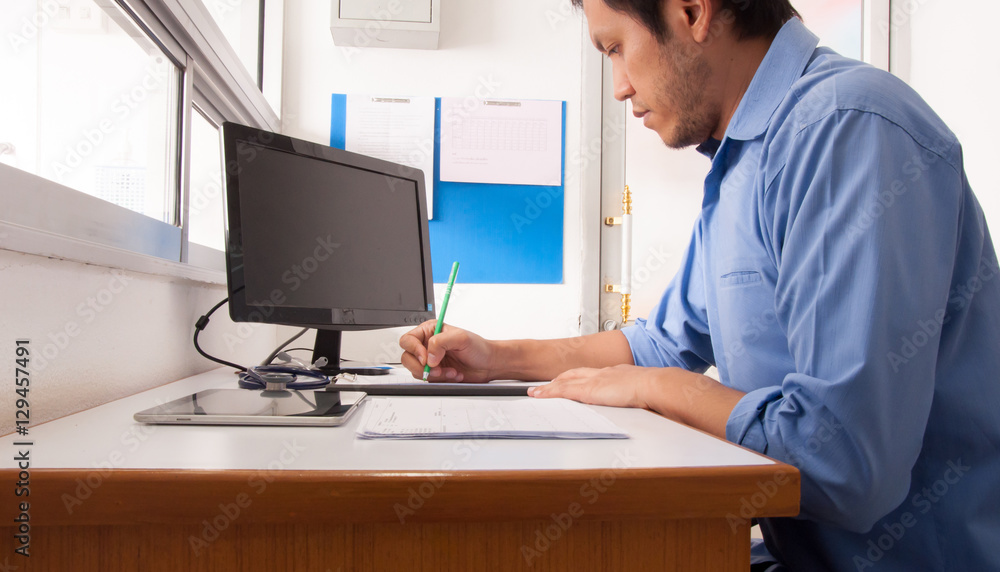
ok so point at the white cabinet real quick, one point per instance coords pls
(386, 23)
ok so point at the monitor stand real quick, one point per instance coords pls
(328, 345)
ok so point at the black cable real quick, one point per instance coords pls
(200, 325)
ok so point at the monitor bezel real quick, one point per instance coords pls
(345, 319)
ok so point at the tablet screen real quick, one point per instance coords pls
(248, 407)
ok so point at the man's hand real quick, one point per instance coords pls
(454, 354)
(684, 396)
(459, 355)
(618, 386)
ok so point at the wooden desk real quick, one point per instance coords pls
(107, 493)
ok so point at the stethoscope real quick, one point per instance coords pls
(285, 376)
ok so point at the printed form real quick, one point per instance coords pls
(508, 142)
(397, 129)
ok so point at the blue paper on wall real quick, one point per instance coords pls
(502, 234)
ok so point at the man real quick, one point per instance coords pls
(840, 277)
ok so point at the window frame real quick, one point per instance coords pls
(875, 43)
(49, 219)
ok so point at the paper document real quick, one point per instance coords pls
(501, 141)
(397, 129)
(455, 418)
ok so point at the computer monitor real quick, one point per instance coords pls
(323, 238)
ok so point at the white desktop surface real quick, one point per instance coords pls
(108, 437)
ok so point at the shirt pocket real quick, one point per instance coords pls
(740, 279)
(749, 342)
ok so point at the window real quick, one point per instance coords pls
(97, 106)
(111, 138)
(253, 29)
(240, 21)
(205, 207)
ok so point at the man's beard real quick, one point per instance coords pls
(687, 95)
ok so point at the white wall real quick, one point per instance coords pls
(528, 49)
(99, 334)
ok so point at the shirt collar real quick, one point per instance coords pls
(709, 147)
(783, 64)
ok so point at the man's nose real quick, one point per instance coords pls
(622, 86)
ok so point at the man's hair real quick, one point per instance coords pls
(750, 18)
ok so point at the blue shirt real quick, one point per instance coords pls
(841, 274)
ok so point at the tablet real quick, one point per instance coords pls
(249, 407)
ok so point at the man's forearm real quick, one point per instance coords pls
(691, 398)
(542, 360)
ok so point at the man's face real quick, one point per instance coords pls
(668, 83)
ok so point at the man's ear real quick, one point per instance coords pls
(694, 16)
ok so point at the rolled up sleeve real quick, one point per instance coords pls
(676, 333)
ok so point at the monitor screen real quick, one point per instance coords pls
(322, 237)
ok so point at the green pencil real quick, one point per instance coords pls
(444, 308)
